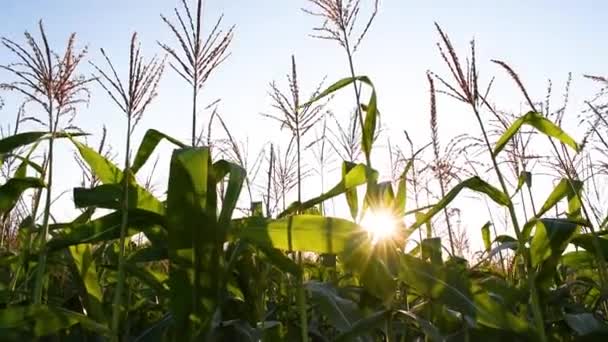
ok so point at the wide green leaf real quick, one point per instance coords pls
(46, 320)
(551, 238)
(11, 191)
(87, 272)
(107, 228)
(109, 196)
(195, 241)
(15, 141)
(541, 124)
(303, 233)
(148, 144)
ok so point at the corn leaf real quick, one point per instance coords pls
(473, 183)
(148, 144)
(87, 272)
(194, 241)
(541, 124)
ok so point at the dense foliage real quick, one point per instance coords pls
(205, 271)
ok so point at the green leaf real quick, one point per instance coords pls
(195, 241)
(233, 190)
(371, 109)
(401, 197)
(21, 171)
(431, 250)
(341, 313)
(349, 170)
(281, 261)
(353, 175)
(335, 87)
(105, 170)
(525, 177)
(154, 280)
(11, 191)
(107, 228)
(365, 326)
(551, 239)
(585, 241)
(87, 272)
(485, 236)
(148, 144)
(303, 233)
(430, 331)
(473, 183)
(565, 188)
(47, 320)
(585, 323)
(109, 196)
(15, 141)
(540, 123)
(452, 287)
(369, 124)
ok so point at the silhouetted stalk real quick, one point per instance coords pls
(201, 56)
(49, 80)
(42, 258)
(117, 301)
(439, 165)
(357, 92)
(143, 79)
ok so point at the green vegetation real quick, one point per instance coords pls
(209, 270)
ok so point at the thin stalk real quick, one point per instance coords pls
(357, 91)
(301, 294)
(270, 169)
(447, 217)
(123, 232)
(194, 100)
(41, 268)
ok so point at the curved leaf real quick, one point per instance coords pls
(541, 124)
(87, 272)
(473, 183)
(149, 142)
(485, 236)
(12, 190)
(353, 175)
(107, 228)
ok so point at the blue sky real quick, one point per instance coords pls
(540, 39)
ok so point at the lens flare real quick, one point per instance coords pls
(381, 225)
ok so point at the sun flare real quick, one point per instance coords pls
(381, 225)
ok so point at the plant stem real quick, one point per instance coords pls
(357, 92)
(301, 303)
(116, 309)
(194, 100)
(41, 268)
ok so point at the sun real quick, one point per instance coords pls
(380, 224)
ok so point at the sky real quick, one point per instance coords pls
(541, 39)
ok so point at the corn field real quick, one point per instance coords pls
(232, 249)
